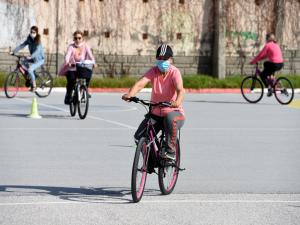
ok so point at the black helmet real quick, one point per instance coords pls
(165, 51)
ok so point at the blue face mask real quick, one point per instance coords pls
(163, 65)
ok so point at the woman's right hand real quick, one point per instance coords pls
(126, 97)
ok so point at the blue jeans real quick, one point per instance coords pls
(33, 67)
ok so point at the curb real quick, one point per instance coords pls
(148, 90)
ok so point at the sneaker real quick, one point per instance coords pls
(27, 83)
(67, 100)
(32, 89)
(170, 155)
(269, 94)
(167, 154)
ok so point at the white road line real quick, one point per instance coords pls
(241, 128)
(64, 128)
(94, 111)
(129, 127)
(116, 110)
(92, 117)
(158, 201)
(113, 122)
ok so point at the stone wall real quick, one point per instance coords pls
(118, 66)
(125, 34)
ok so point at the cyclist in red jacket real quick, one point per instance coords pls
(273, 53)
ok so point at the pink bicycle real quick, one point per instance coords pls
(148, 157)
(14, 81)
(252, 88)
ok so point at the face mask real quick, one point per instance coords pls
(78, 45)
(33, 35)
(163, 65)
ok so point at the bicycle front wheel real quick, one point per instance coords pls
(44, 83)
(252, 89)
(73, 103)
(168, 173)
(283, 91)
(139, 170)
(83, 102)
(11, 85)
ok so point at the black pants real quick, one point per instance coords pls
(171, 123)
(269, 69)
(71, 81)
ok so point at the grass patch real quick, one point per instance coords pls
(189, 81)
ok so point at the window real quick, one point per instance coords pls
(46, 31)
(145, 36)
(107, 34)
(86, 33)
(179, 36)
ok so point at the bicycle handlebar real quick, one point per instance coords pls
(18, 56)
(149, 103)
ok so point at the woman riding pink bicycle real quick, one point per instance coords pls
(273, 53)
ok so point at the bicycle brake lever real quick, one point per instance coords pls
(134, 99)
(168, 104)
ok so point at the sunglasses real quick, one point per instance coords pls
(32, 32)
(77, 38)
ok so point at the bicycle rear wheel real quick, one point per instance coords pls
(83, 102)
(73, 103)
(283, 91)
(44, 83)
(11, 85)
(252, 89)
(168, 173)
(139, 170)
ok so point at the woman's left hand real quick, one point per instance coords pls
(175, 104)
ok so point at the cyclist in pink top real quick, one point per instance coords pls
(167, 86)
(273, 53)
(78, 51)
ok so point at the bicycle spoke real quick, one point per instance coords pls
(283, 90)
(168, 173)
(44, 83)
(11, 85)
(252, 89)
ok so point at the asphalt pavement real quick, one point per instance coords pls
(242, 163)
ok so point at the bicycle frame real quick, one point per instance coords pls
(79, 82)
(152, 135)
(20, 67)
(153, 139)
(270, 79)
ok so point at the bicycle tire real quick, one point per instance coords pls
(83, 102)
(252, 89)
(44, 83)
(141, 155)
(283, 90)
(11, 85)
(73, 104)
(167, 188)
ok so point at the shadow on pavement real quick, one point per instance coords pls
(110, 195)
(225, 102)
(22, 115)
